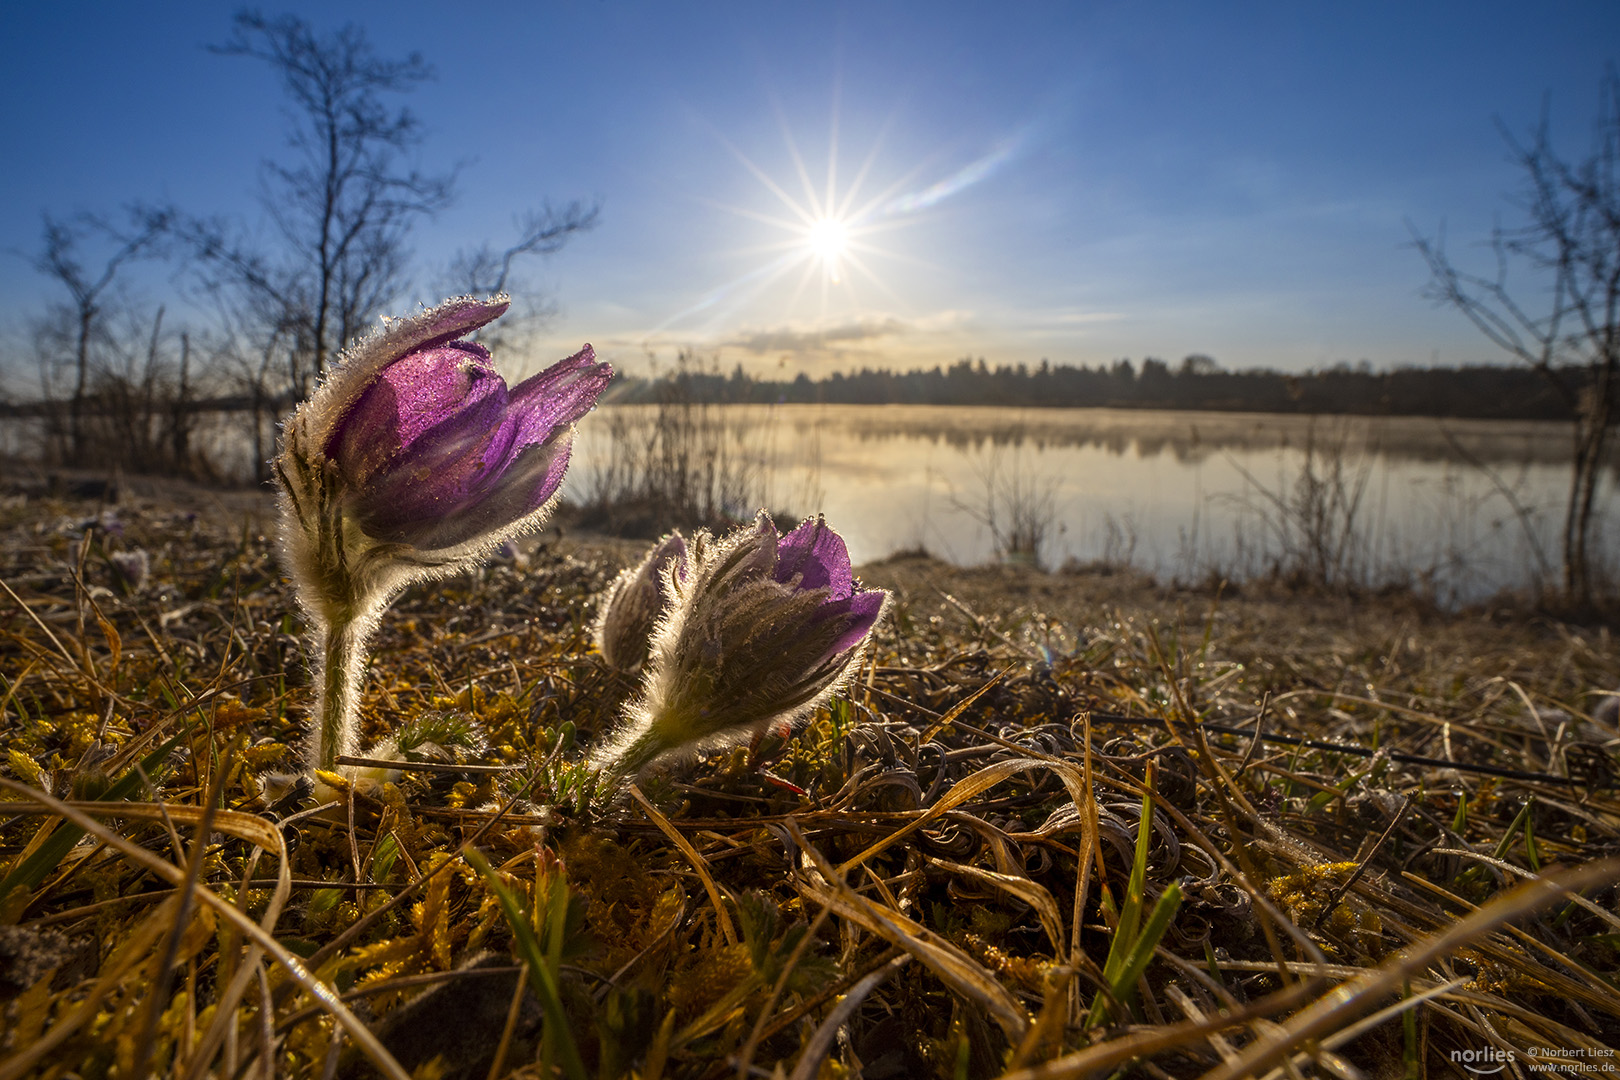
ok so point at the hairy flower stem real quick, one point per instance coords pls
(627, 762)
(342, 662)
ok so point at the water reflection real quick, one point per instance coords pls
(1461, 507)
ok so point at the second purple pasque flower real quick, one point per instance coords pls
(762, 628)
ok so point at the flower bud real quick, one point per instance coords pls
(634, 602)
(762, 629)
(413, 459)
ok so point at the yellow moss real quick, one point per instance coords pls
(257, 757)
(1028, 971)
(232, 713)
(710, 975)
(1305, 894)
(29, 1013)
(26, 769)
(431, 1069)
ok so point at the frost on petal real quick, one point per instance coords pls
(815, 555)
(361, 362)
(559, 395)
(450, 320)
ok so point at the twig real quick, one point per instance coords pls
(425, 766)
(1361, 868)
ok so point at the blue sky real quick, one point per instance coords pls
(1073, 181)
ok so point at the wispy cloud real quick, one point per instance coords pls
(796, 339)
(1064, 317)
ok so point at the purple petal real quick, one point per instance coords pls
(436, 396)
(864, 609)
(425, 437)
(361, 363)
(558, 396)
(816, 555)
(437, 452)
(523, 488)
(441, 384)
(456, 318)
(438, 326)
(532, 478)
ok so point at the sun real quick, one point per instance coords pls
(828, 240)
(826, 231)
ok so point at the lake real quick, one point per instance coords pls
(1461, 508)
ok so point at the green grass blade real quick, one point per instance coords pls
(1513, 830)
(38, 866)
(1123, 982)
(1130, 914)
(1141, 953)
(542, 978)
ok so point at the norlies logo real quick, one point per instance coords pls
(1485, 1062)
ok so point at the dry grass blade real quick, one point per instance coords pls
(129, 953)
(1346, 1003)
(1144, 1044)
(972, 785)
(809, 1064)
(961, 707)
(1035, 895)
(248, 827)
(1595, 991)
(955, 967)
(699, 865)
(52, 638)
(300, 974)
(1520, 872)
(1361, 1027)
(424, 766)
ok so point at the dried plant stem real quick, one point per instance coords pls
(300, 973)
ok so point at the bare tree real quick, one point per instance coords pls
(484, 271)
(1571, 331)
(61, 257)
(343, 204)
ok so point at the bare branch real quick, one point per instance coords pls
(485, 272)
(1570, 241)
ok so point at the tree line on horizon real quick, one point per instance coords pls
(1483, 392)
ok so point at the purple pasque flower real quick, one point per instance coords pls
(632, 605)
(133, 566)
(762, 629)
(432, 449)
(413, 459)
